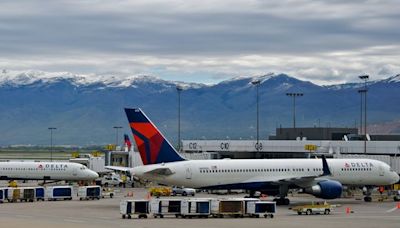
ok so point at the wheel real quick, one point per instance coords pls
(161, 216)
(173, 193)
(80, 199)
(106, 184)
(299, 212)
(271, 216)
(308, 212)
(327, 211)
(123, 216)
(368, 199)
(184, 194)
(129, 216)
(286, 201)
(396, 198)
(111, 195)
(145, 216)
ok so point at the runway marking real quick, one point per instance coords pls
(393, 209)
(73, 220)
(24, 216)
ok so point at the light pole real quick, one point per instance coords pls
(51, 142)
(257, 84)
(116, 135)
(294, 95)
(179, 90)
(364, 91)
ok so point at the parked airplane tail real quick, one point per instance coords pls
(152, 145)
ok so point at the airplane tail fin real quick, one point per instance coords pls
(152, 145)
(325, 167)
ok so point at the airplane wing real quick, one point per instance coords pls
(118, 168)
(160, 171)
(301, 181)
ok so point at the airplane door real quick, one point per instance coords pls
(381, 171)
(188, 172)
(74, 172)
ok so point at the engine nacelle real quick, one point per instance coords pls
(328, 189)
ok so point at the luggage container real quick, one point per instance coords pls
(89, 192)
(59, 192)
(257, 209)
(39, 192)
(161, 207)
(227, 207)
(13, 194)
(140, 208)
(3, 194)
(27, 194)
(200, 207)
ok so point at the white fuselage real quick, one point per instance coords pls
(240, 172)
(45, 171)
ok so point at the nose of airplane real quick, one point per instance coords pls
(93, 175)
(395, 177)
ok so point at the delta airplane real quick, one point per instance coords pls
(56, 171)
(323, 178)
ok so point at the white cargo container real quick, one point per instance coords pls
(199, 207)
(89, 192)
(161, 207)
(59, 192)
(140, 208)
(260, 208)
(13, 194)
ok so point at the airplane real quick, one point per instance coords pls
(55, 171)
(323, 178)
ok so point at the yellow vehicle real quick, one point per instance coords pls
(313, 208)
(160, 191)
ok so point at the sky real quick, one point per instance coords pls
(326, 41)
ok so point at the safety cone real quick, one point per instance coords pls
(348, 210)
(398, 205)
(148, 196)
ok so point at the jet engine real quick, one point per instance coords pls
(328, 189)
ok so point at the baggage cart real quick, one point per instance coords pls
(139, 208)
(227, 207)
(59, 192)
(89, 192)
(258, 209)
(200, 207)
(161, 207)
(27, 194)
(3, 194)
(40, 193)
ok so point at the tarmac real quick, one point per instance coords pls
(105, 213)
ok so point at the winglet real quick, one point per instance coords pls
(325, 167)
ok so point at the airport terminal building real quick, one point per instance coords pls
(301, 143)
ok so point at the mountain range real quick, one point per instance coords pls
(84, 109)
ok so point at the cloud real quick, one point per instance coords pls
(324, 41)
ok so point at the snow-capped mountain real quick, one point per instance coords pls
(84, 108)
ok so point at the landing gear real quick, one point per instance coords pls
(367, 191)
(282, 201)
(367, 198)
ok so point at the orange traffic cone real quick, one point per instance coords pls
(348, 210)
(148, 196)
(398, 205)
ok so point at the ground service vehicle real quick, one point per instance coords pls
(313, 208)
(183, 191)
